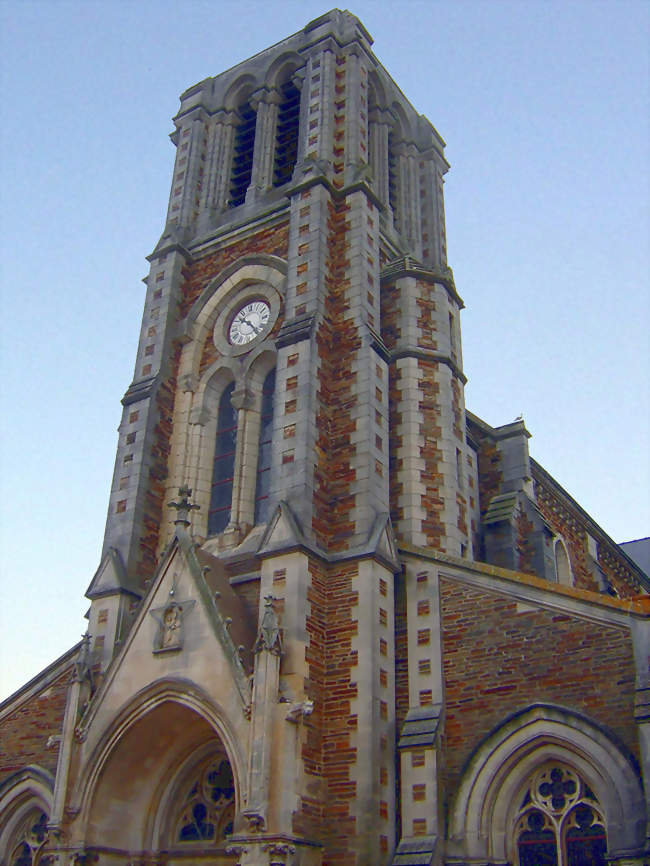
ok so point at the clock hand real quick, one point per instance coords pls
(251, 325)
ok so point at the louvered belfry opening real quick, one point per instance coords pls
(286, 141)
(392, 178)
(242, 160)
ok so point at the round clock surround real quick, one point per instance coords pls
(245, 318)
(250, 321)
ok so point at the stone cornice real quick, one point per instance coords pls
(529, 589)
(428, 355)
(407, 266)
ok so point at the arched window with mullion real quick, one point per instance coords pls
(223, 467)
(263, 484)
(287, 133)
(242, 158)
(560, 822)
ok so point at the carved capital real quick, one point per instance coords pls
(187, 382)
(200, 415)
(241, 398)
(279, 852)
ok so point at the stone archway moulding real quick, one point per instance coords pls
(29, 788)
(482, 810)
(180, 692)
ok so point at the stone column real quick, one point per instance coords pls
(220, 159)
(408, 195)
(265, 104)
(380, 123)
(240, 519)
(79, 683)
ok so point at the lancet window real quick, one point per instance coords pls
(286, 140)
(242, 159)
(223, 468)
(264, 450)
(559, 821)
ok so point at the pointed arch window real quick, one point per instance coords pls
(242, 159)
(559, 821)
(29, 839)
(207, 809)
(223, 467)
(562, 564)
(262, 486)
(286, 140)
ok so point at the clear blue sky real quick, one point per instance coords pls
(544, 107)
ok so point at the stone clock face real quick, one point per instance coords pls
(249, 322)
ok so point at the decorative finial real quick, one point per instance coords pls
(184, 506)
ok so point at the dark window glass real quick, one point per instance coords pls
(264, 453)
(286, 141)
(208, 811)
(224, 464)
(242, 158)
(392, 178)
(586, 844)
(537, 845)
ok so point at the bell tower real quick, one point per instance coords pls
(299, 369)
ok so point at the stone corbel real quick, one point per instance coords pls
(297, 712)
(255, 819)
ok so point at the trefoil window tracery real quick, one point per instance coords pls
(208, 807)
(559, 821)
(29, 839)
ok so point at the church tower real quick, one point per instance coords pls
(326, 623)
(299, 370)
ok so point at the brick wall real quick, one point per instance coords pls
(270, 241)
(337, 341)
(24, 732)
(154, 505)
(497, 661)
(328, 753)
(431, 475)
(567, 522)
(490, 473)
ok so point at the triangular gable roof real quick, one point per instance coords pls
(182, 550)
(111, 578)
(382, 541)
(282, 531)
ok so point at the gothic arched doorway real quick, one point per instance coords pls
(166, 782)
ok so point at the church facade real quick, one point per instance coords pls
(338, 618)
